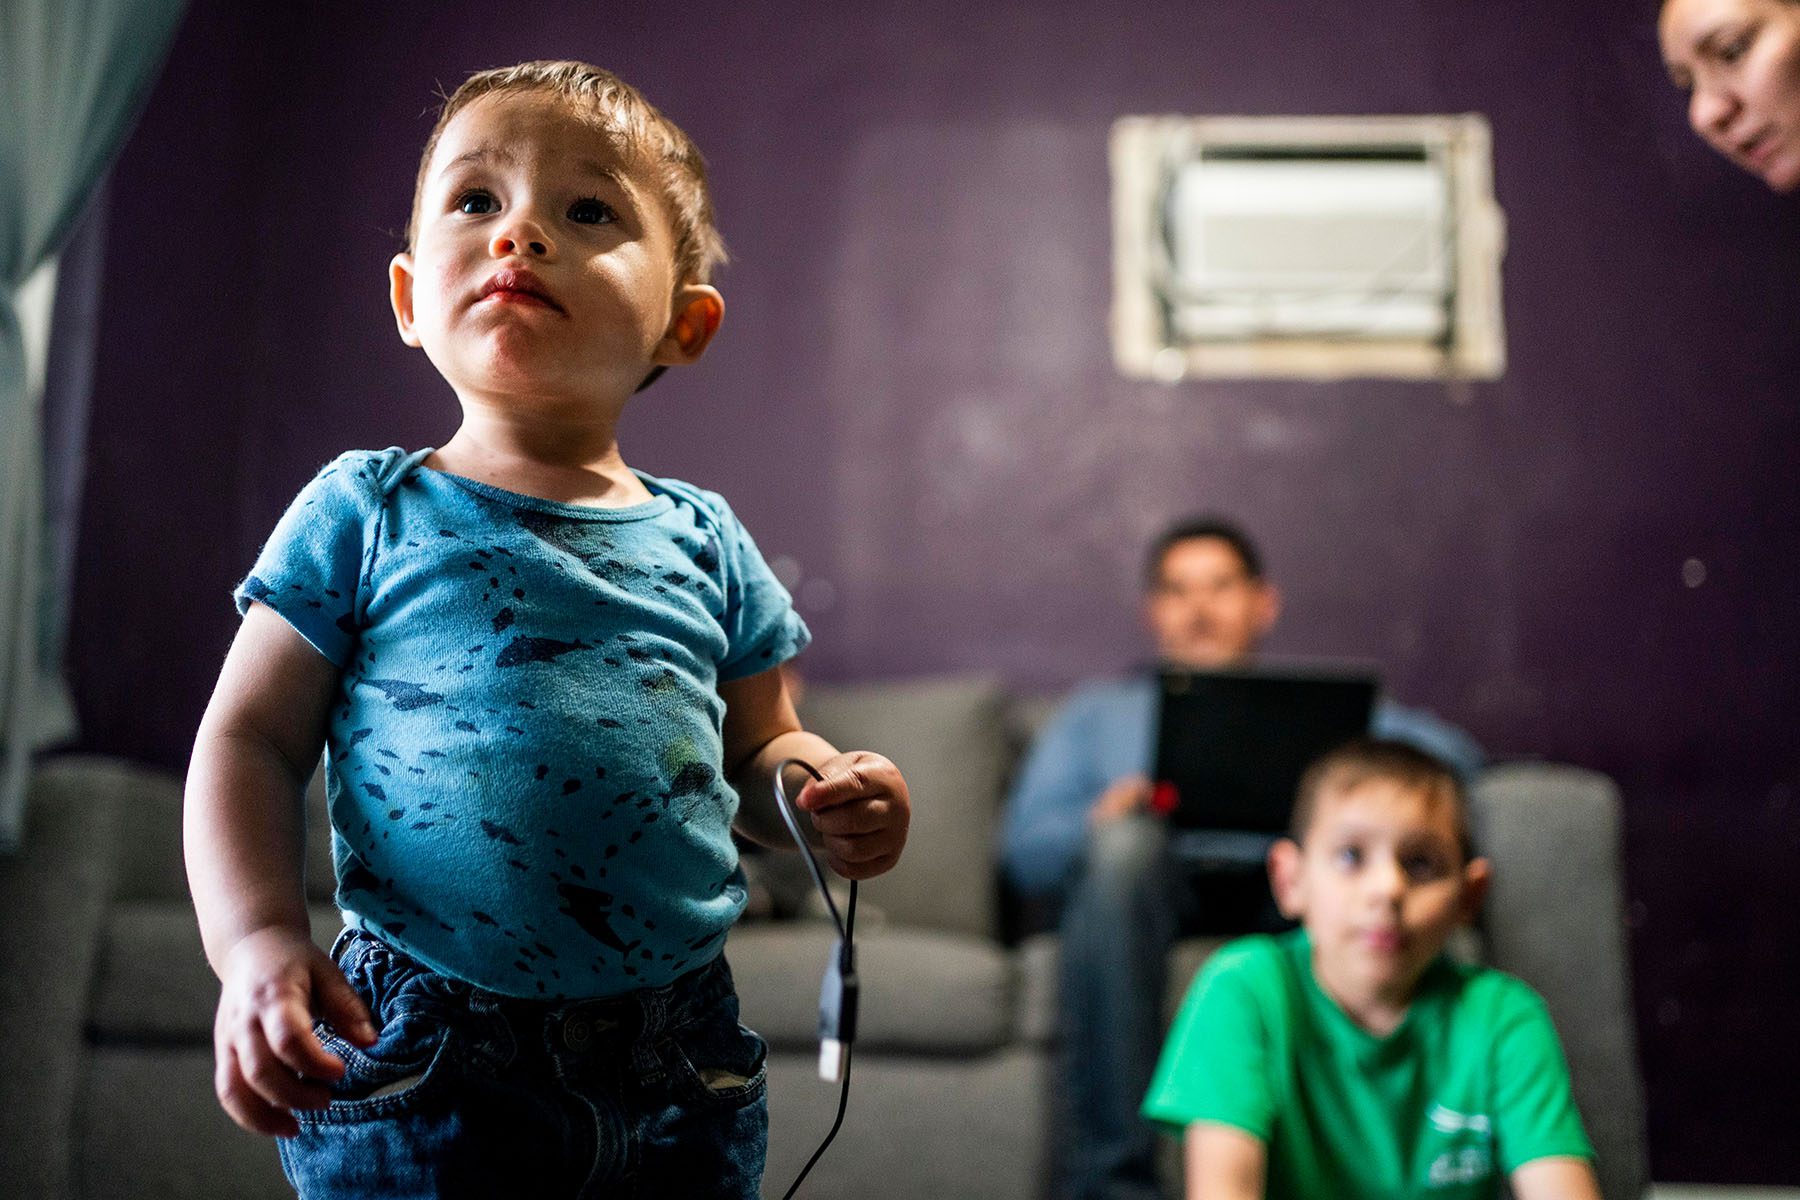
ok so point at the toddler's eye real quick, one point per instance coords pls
(1735, 49)
(1348, 857)
(589, 211)
(476, 203)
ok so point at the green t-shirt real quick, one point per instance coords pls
(1471, 1084)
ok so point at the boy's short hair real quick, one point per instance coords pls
(1193, 528)
(1358, 761)
(637, 128)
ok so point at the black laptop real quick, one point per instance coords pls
(1231, 745)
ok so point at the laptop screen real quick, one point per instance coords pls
(1231, 746)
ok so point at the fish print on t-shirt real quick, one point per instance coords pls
(525, 759)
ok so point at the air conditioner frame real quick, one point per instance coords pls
(1146, 152)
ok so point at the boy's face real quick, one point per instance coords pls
(1380, 884)
(544, 261)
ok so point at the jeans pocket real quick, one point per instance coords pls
(389, 1129)
(395, 1075)
(719, 1062)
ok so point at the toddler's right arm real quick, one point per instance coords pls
(244, 830)
(1224, 1162)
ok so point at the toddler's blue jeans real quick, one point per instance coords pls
(656, 1093)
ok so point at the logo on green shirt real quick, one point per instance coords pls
(1460, 1164)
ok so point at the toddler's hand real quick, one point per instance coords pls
(269, 1061)
(862, 809)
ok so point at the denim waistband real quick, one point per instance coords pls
(578, 1024)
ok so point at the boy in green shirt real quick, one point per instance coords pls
(1351, 1058)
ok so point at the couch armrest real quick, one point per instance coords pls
(1555, 918)
(53, 895)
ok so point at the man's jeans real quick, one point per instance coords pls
(657, 1093)
(1135, 893)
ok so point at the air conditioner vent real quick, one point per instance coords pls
(1305, 246)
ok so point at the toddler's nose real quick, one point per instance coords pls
(530, 242)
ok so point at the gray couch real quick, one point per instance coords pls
(107, 1000)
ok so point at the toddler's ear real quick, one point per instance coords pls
(400, 295)
(698, 309)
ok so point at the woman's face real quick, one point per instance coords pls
(1739, 60)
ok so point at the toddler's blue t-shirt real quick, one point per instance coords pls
(524, 759)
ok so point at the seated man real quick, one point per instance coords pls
(1350, 1057)
(1079, 831)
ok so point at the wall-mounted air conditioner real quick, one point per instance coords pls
(1309, 246)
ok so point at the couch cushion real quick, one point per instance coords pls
(148, 1127)
(1040, 958)
(1555, 917)
(321, 875)
(916, 1129)
(147, 847)
(52, 892)
(152, 983)
(148, 858)
(921, 992)
(949, 739)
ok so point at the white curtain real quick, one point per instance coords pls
(73, 75)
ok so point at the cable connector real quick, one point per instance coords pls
(837, 1012)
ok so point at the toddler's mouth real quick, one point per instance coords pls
(515, 286)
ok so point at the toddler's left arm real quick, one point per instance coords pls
(859, 811)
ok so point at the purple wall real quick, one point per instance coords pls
(913, 399)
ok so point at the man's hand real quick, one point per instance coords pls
(269, 1061)
(861, 809)
(1127, 795)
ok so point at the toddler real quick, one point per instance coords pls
(542, 682)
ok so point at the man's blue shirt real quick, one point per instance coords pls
(1106, 731)
(525, 757)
